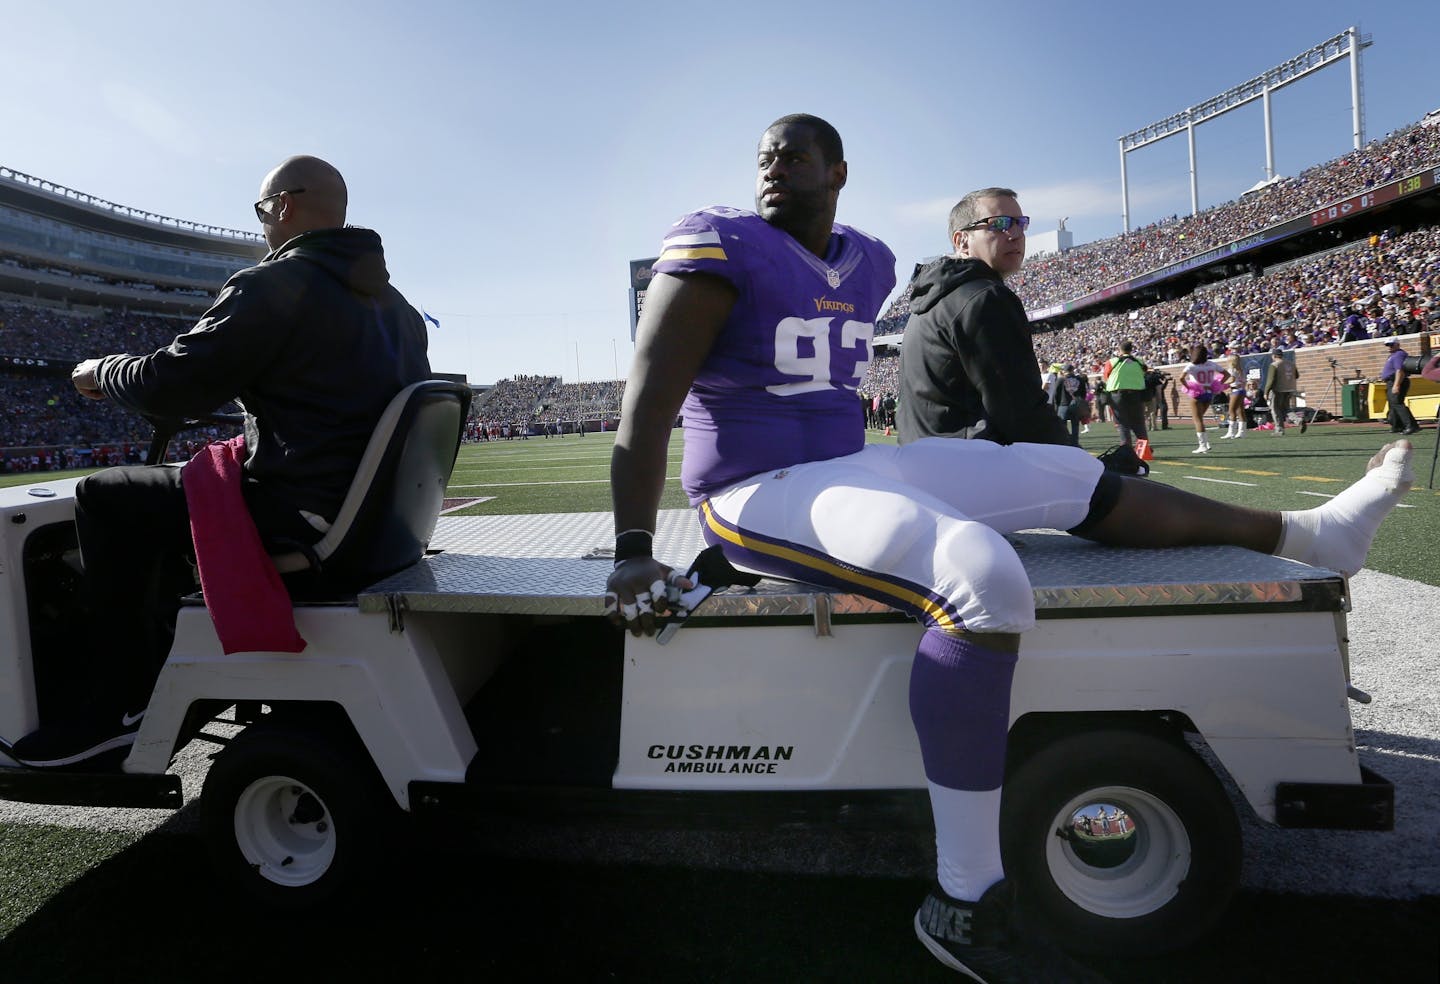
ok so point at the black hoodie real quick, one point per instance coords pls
(313, 341)
(967, 365)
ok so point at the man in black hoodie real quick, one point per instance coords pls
(313, 342)
(967, 365)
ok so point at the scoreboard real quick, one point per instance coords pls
(1411, 185)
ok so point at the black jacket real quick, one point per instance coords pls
(967, 365)
(313, 341)
(1072, 390)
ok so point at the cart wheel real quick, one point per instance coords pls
(295, 813)
(1122, 842)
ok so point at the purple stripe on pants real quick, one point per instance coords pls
(960, 704)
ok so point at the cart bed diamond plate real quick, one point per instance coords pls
(556, 564)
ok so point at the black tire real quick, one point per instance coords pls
(1149, 882)
(295, 814)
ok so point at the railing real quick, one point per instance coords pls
(185, 225)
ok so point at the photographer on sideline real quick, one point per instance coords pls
(1282, 380)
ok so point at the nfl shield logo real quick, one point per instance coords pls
(832, 277)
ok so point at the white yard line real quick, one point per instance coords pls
(1328, 495)
(512, 485)
(491, 460)
(461, 469)
(1218, 481)
(473, 501)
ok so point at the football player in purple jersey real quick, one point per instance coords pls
(760, 324)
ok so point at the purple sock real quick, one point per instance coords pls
(960, 703)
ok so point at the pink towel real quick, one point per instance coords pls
(247, 600)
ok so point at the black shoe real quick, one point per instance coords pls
(88, 739)
(982, 941)
(1304, 425)
(1410, 430)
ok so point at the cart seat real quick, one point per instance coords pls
(389, 513)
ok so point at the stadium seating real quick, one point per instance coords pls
(1368, 290)
(1053, 279)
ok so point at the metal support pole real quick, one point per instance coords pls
(1269, 140)
(1124, 192)
(1356, 118)
(1194, 185)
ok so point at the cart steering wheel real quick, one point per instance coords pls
(167, 427)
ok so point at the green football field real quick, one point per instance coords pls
(1291, 472)
(1296, 471)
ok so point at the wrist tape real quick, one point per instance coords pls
(633, 543)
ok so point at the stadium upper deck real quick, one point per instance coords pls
(1356, 184)
(61, 245)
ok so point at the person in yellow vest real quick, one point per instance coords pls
(1125, 382)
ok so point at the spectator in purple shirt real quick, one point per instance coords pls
(1355, 330)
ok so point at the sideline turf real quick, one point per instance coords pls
(41, 861)
(1292, 472)
(1295, 472)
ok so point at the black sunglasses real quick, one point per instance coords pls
(260, 212)
(1000, 223)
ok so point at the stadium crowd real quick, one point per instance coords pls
(1371, 289)
(44, 423)
(892, 319)
(506, 410)
(49, 333)
(1381, 286)
(47, 411)
(1055, 278)
(582, 401)
(513, 399)
(879, 388)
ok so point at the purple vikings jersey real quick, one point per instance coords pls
(779, 385)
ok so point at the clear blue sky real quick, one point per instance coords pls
(516, 156)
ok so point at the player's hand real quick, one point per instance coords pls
(83, 376)
(640, 590)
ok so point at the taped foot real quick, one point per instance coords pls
(1338, 534)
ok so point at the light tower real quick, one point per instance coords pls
(1347, 44)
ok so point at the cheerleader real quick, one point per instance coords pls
(1235, 419)
(1205, 382)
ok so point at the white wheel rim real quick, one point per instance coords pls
(1149, 877)
(284, 830)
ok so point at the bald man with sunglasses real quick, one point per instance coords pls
(313, 341)
(967, 366)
